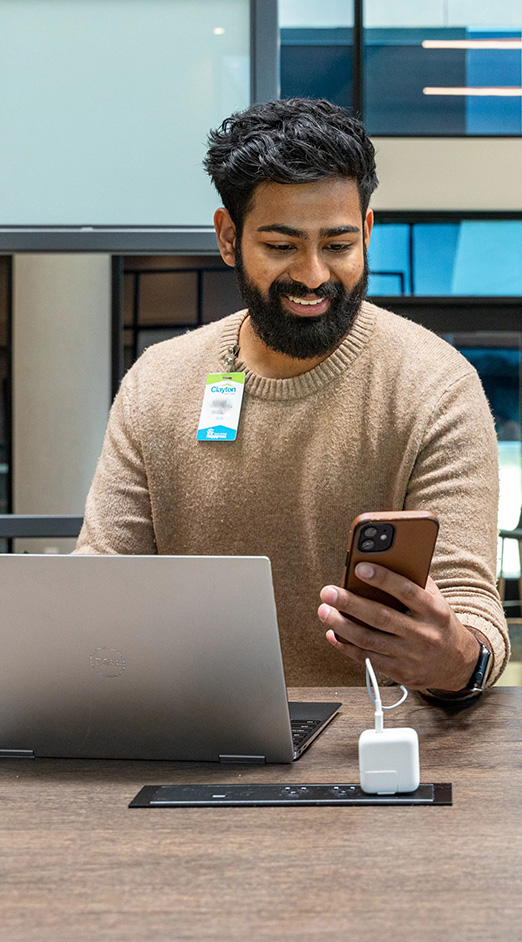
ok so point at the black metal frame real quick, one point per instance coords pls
(9, 395)
(265, 80)
(38, 526)
(9, 399)
(117, 365)
(358, 59)
(458, 315)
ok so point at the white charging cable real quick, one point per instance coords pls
(370, 674)
(388, 758)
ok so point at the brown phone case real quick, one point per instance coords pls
(410, 552)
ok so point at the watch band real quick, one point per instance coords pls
(479, 677)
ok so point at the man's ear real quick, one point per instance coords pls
(368, 226)
(226, 235)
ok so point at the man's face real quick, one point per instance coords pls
(301, 264)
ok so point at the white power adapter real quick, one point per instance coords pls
(388, 758)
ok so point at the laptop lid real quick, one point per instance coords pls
(141, 657)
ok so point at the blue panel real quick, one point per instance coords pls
(397, 68)
(499, 372)
(493, 67)
(488, 260)
(389, 252)
(434, 246)
(481, 259)
(317, 63)
(387, 284)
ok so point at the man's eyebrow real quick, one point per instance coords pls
(337, 231)
(284, 230)
(301, 234)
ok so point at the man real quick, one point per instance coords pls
(347, 408)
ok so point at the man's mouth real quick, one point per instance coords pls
(313, 305)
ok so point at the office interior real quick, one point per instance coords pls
(446, 250)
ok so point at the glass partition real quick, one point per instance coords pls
(443, 67)
(316, 49)
(108, 104)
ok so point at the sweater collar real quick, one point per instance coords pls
(298, 387)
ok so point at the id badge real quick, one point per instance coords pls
(221, 407)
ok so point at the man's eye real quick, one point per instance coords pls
(339, 247)
(279, 246)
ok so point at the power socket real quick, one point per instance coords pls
(389, 760)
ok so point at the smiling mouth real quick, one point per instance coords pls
(303, 302)
(314, 306)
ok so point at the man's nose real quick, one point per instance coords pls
(311, 270)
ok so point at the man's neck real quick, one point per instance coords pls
(266, 362)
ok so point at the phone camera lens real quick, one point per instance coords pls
(367, 544)
(370, 532)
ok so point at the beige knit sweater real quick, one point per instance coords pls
(394, 418)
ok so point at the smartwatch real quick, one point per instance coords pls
(480, 674)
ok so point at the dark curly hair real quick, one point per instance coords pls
(293, 140)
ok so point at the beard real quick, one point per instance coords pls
(302, 338)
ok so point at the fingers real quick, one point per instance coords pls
(355, 634)
(380, 662)
(425, 646)
(425, 603)
(340, 603)
(361, 636)
(412, 596)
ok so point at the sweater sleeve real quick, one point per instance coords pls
(118, 517)
(456, 476)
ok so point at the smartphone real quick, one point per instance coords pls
(403, 540)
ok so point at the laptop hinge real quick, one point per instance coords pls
(250, 760)
(16, 753)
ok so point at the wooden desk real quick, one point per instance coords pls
(76, 864)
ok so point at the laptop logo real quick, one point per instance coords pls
(108, 661)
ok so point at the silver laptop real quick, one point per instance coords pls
(146, 657)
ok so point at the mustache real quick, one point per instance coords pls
(329, 289)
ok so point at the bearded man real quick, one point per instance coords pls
(347, 408)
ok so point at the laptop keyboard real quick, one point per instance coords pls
(302, 730)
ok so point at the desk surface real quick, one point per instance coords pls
(77, 864)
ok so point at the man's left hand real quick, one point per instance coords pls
(427, 647)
